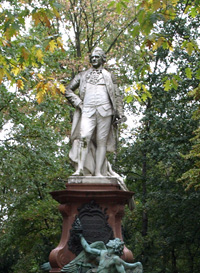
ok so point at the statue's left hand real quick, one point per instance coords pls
(120, 119)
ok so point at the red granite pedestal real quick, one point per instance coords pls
(107, 195)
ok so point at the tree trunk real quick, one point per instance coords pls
(174, 267)
(78, 43)
(144, 193)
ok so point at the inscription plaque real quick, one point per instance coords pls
(94, 224)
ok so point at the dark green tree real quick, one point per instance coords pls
(168, 240)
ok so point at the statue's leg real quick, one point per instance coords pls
(100, 157)
(103, 129)
(86, 130)
(82, 153)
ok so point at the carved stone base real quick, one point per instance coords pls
(100, 207)
(93, 180)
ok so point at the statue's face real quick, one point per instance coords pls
(110, 250)
(96, 60)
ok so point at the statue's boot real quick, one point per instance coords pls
(81, 160)
(78, 173)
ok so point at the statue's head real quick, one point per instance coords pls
(97, 57)
(117, 245)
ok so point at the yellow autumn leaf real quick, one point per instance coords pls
(46, 20)
(155, 46)
(62, 88)
(52, 45)
(174, 2)
(22, 66)
(16, 71)
(138, 86)
(39, 85)
(59, 42)
(40, 96)
(54, 89)
(57, 14)
(39, 54)
(164, 4)
(7, 34)
(40, 76)
(127, 89)
(3, 60)
(144, 87)
(6, 43)
(156, 4)
(2, 73)
(41, 91)
(45, 88)
(34, 64)
(8, 75)
(20, 84)
(36, 18)
(147, 4)
(49, 87)
(160, 41)
(169, 45)
(166, 14)
(25, 53)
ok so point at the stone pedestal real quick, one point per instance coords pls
(99, 202)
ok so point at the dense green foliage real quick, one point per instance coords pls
(154, 45)
(34, 162)
(168, 238)
(191, 177)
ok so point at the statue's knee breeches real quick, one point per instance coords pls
(88, 125)
(103, 130)
(102, 126)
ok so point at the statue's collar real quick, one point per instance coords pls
(99, 70)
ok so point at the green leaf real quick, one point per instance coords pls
(141, 16)
(198, 74)
(112, 3)
(129, 99)
(174, 83)
(123, 4)
(135, 31)
(193, 12)
(118, 7)
(144, 96)
(188, 73)
(189, 48)
(167, 85)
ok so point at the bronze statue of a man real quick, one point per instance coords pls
(98, 106)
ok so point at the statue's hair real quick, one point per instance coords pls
(117, 244)
(100, 51)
